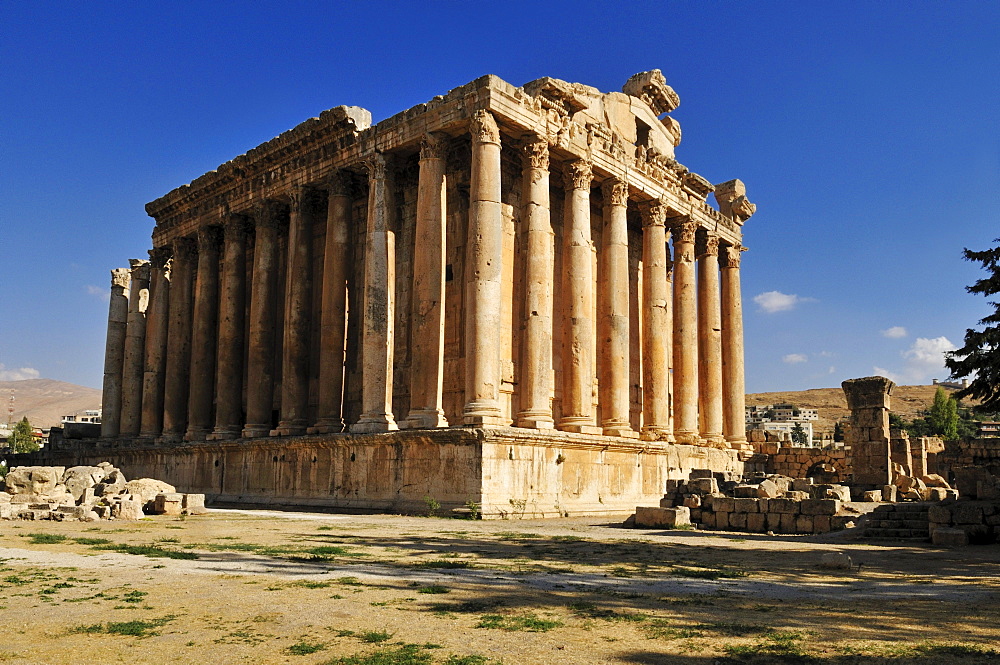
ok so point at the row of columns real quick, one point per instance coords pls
(193, 327)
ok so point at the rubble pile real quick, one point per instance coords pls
(88, 494)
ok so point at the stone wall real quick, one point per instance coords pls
(510, 472)
(784, 515)
(828, 466)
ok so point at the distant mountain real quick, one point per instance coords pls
(907, 401)
(46, 401)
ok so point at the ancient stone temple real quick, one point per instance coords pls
(509, 296)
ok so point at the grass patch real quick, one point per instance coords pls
(660, 629)
(151, 551)
(443, 563)
(783, 645)
(708, 573)
(512, 623)
(305, 648)
(591, 611)
(44, 538)
(309, 584)
(434, 589)
(472, 659)
(92, 541)
(127, 628)
(408, 654)
(375, 636)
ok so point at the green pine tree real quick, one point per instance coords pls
(22, 439)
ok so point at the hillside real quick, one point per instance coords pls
(46, 401)
(907, 401)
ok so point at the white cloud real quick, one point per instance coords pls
(18, 373)
(895, 332)
(98, 292)
(776, 301)
(794, 358)
(923, 360)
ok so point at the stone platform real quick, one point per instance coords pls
(510, 472)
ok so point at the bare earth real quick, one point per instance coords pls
(304, 588)
(46, 401)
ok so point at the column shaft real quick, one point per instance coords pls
(536, 361)
(135, 342)
(263, 307)
(734, 396)
(298, 304)
(232, 321)
(177, 383)
(114, 354)
(578, 293)
(204, 335)
(656, 322)
(336, 263)
(685, 334)
(157, 319)
(613, 320)
(483, 287)
(427, 336)
(710, 343)
(378, 325)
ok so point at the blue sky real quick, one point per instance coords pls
(868, 135)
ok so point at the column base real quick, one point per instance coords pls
(686, 438)
(620, 430)
(425, 419)
(369, 424)
(199, 434)
(535, 420)
(256, 431)
(739, 444)
(289, 429)
(579, 425)
(327, 426)
(484, 412)
(223, 435)
(657, 434)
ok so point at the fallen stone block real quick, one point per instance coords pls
(194, 504)
(872, 496)
(889, 493)
(820, 507)
(949, 537)
(79, 479)
(173, 504)
(768, 489)
(146, 490)
(836, 561)
(703, 486)
(654, 517)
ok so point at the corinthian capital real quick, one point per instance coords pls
(615, 192)
(433, 146)
(209, 238)
(536, 153)
(578, 175)
(654, 213)
(159, 256)
(120, 277)
(234, 226)
(684, 230)
(377, 166)
(709, 246)
(185, 249)
(484, 128)
(340, 183)
(733, 256)
(139, 269)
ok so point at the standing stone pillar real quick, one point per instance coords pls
(157, 318)
(613, 320)
(379, 304)
(178, 377)
(232, 320)
(263, 306)
(114, 354)
(710, 342)
(578, 287)
(484, 288)
(135, 342)
(656, 322)
(685, 334)
(336, 264)
(733, 381)
(868, 434)
(204, 335)
(427, 351)
(298, 301)
(536, 368)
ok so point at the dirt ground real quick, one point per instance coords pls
(266, 587)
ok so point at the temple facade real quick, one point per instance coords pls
(503, 274)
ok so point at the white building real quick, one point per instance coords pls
(88, 416)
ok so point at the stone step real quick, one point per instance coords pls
(899, 534)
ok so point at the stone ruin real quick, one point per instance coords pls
(89, 494)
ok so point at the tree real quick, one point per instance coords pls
(979, 358)
(799, 435)
(943, 416)
(22, 438)
(838, 432)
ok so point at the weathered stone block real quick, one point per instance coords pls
(820, 507)
(645, 516)
(756, 522)
(804, 524)
(707, 519)
(872, 496)
(722, 520)
(836, 561)
(939, 515)
(967, 513)
(738, 521)
(786, 506)
(787, 523)
(723, 504)
(796, 495)
(703, 486)
(172, 504)
(821, 523)
(697, 474)
(890, 493)
(745, 506)
(693, 501)
(768, 489)
(949, 537)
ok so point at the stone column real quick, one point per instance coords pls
(333, 325)
(298, 303)
(263, 306)
(709, 342)
(232, 321)
(578, 287)
(685, 334)
(613, 320)
(204, 335)
(157, 318)
(114, 354)
(427, 336)
(733, 382)
(379, 303)
(868, 434)
(135, 342)
(656, 333)
(178, 375)
(483, 288)
(536, 365)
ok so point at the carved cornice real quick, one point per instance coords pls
(683, 230)
(120, 278)
(615, 192)
(340, 183)
(536, 154)
(732, 200)
(139, 269)
(651, 87)
(433, 146)
(732, 259)
(654, 213)
(159, 256)
(484, 128)
(578, 175)
(185, 249)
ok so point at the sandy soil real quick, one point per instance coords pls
(273, 587)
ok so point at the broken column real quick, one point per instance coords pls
(868, 434)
